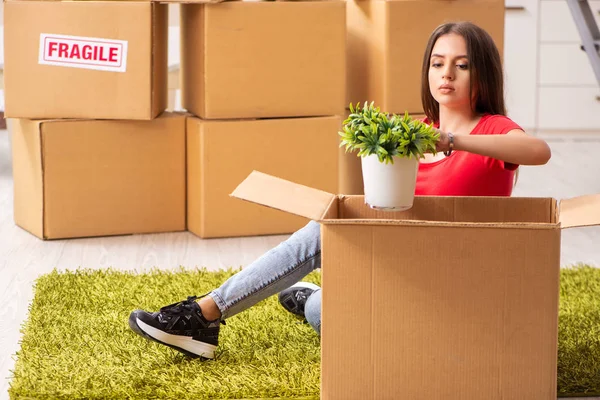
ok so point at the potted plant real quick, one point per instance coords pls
(390, 147)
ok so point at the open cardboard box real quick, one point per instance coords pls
(456, 298)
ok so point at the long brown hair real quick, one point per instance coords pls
(485, 68)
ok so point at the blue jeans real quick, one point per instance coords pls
(276, 270)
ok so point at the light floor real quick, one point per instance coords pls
(574, 170)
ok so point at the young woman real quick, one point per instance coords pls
(480, 150)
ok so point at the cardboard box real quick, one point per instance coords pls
(85, 59)
(456, 298)
(78, 178)
(385, 56)
(221, 153)
(264, 59)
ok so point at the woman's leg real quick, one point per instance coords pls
(276, 270)
(193, 327)
(312, 310)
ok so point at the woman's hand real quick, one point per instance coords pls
(443, 143)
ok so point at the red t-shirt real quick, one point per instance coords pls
(468, 174)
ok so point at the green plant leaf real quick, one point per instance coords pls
(371, 131)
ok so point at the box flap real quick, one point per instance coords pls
(580, 211)
(284, 195)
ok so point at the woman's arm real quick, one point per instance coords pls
(516, 147)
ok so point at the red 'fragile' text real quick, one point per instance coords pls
(83, 52)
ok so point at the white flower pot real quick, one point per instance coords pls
(389, 187)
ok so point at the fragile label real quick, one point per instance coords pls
(83, 52)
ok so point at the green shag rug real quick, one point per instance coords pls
(77, 343)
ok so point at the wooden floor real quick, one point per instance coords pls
(574, 170)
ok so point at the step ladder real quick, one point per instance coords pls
(588, 31)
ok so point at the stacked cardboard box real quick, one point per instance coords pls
(278, 68)
(266, 83)
(93, 152)
(386, 42)
(65, 60)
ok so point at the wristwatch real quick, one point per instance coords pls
(450, 144)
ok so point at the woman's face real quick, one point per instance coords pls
(449, 78)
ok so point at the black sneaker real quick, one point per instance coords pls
(294, 298)
(180, 326)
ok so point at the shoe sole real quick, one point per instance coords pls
(305, 285)
(186, 345)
